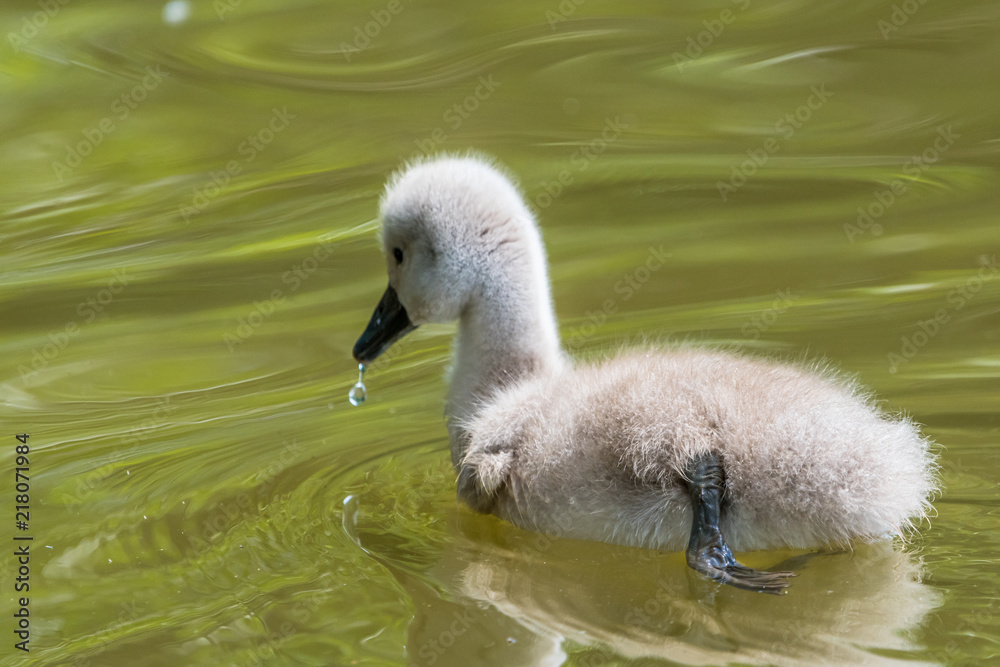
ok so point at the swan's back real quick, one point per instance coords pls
(809, 459)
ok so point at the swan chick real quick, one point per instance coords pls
(676, 448)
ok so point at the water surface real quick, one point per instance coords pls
(188, 252)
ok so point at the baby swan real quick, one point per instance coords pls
(653, 448)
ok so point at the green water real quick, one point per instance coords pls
(188, 254)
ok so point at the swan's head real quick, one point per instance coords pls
(443, 222)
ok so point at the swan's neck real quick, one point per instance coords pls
(507, 333)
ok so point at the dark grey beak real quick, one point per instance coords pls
(389, 323)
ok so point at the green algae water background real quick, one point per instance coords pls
(188, 251)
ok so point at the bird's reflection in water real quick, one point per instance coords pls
(508, 597)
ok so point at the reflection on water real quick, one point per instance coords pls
(654, 609)
(188, 253)
(513, 597)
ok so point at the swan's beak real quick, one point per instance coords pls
(389, 323)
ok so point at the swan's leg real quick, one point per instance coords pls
(707, 551)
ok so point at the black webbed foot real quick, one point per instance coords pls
(717, 562)
(707, 550)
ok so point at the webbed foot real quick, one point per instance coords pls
(707, 550)
(716, 562)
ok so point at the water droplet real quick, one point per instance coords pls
(177, 11)
(358, 392)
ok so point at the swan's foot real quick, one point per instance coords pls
(707, 551)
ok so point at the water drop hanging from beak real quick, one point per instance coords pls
(358, 392)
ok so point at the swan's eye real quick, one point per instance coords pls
(398, 254)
